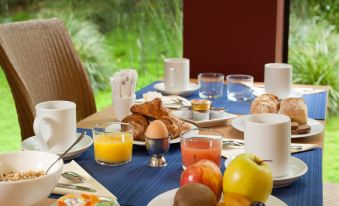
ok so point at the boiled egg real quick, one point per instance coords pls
(156, 130)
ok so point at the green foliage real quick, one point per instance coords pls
(314, 54)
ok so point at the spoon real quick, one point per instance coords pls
(74, 177)
(61, 156)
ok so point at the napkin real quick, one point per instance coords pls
(90, 182)
(232, 151)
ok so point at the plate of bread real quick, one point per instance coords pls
(144, 113)
(295, 108)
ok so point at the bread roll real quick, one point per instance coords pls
(295, 108)
(266, 103)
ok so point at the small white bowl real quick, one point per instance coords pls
(30, 191)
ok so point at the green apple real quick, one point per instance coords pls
(249, 176)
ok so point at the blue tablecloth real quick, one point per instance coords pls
(136, 183)
(316, 102)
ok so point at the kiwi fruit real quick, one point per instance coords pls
(194, 194)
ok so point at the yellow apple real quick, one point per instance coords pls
(249, 176)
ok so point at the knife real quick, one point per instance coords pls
(75, 187)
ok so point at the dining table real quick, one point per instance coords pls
(137, 184)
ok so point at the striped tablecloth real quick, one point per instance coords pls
(136, 183)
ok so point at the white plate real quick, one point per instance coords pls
(192, 88)
(31, 144)
(297, 169)
(316, 127)
(261, 90)
(167, 198)
(204, 123)
(172, 101)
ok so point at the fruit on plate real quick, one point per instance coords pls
(205, 172)
(194, 194)
(249, 176)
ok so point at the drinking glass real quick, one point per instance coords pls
(239, 87)
(113, 143)
(197, 144)
(211, 85)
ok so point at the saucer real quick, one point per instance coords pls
(297, 169)
(161, 88)
(316, 127)
(293, 93)
(31, 144)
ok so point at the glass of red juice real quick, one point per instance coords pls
(197, 144)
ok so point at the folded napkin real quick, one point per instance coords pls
(90, 182)
(232, 151)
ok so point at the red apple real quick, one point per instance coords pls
(205, 172)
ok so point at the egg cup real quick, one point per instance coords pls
(157, 148)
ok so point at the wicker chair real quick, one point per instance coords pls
(41, 64)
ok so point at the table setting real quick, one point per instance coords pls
(142, 149)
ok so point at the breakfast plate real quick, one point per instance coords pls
(297, 169)
(172, 141)
(186, 115)
(161, 88)
(316, 126)
(31, 144)
(167, 198)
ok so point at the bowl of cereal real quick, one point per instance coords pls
(23, 180)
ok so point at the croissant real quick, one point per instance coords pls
(174, 125)
(153, 109)
(139, 123)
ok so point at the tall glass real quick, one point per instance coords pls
(239, 87)
(211, 85)
(197, 144)
(113, 143)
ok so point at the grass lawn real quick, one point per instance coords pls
(10, 135)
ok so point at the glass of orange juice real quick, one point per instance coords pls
(197, 144)
(113, 143)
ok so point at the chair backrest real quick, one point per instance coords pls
(41, 64)
(233, 37)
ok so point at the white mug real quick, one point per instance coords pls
(55, 125)
(278, 79)
(177, 74)
(269, 137)
(122, 106)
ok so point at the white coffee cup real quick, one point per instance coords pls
(177, 74)
(269, 137)
(278, 79)
(55, 125)
(122, 106)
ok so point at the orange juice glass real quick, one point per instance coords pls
(113, 143)
(198, 144)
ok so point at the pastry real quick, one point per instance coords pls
(174, 125)
(139, 123)
(294, 125)
(266, 103)
(153, 109)
(303, 129)
(295, 108)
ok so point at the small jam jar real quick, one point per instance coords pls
(200, 104)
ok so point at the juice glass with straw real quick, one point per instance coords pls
(113, 143)
(197, 144)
